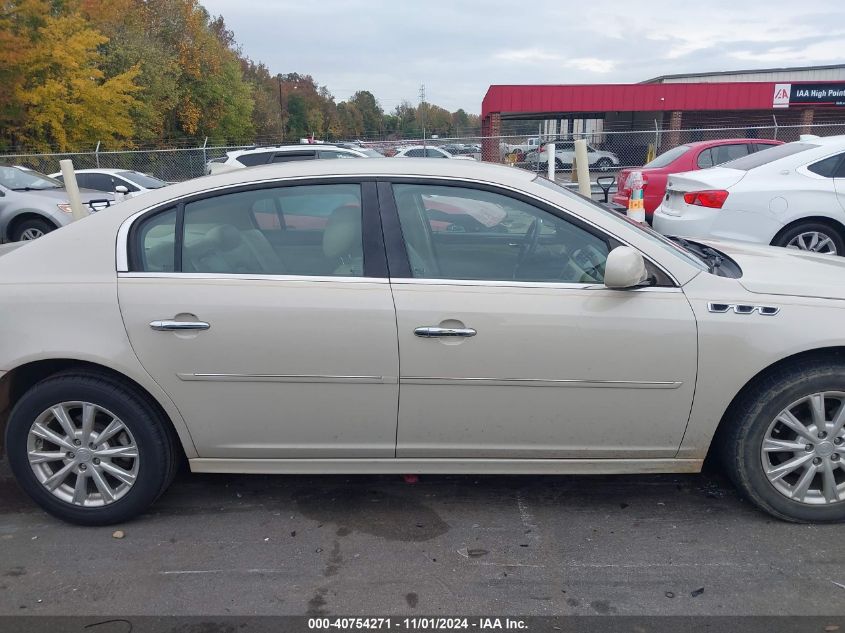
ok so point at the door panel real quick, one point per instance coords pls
(288, 368)
(551, 373)
(538, 358)
(292, 356)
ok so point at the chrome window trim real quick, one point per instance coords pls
(122, 246)
(562, 285)
(252, 277)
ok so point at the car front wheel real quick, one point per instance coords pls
(31, 230)
(604, 164)
(89, 449)
(785, 446)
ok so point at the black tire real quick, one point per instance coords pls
(604, 164)
(155, 440)
(32, 224)
(829, 230)
(748, 421)
(558, 163)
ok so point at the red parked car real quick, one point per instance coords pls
(686, 157)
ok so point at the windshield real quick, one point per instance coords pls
(26, 180)
(766, 156)
(669, 156)
(144, 180)
(659, 240)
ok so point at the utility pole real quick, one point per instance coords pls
(281, 112)
(422, 113)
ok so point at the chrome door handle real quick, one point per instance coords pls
(167, 326)
(436, 332)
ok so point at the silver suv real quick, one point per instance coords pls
(32, 204)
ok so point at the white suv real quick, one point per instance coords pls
(279, 154)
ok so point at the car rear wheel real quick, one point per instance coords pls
(785, 448)
(815, 237)
(88, 449)
(31, 230)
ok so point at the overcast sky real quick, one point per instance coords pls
(458, 48)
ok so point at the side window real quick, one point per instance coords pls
(828, 167)
(156, 242)
(302, 230)
(724, 153)
(415, 153)
(705, 159)
(83, 181)
(434, 153)
(287, 157)
(120, 181)
(324, 153)
(463, 233)
(258, 158)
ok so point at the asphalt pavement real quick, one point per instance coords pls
(376, 545)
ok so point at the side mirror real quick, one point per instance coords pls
(121, 189)
(625, 268)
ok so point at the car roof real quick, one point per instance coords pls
(729, 141)
(825, 140)
(370, 168)
(289, 148)
(104, 170)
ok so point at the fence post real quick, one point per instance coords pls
(656, 138)
(775, 119)
(204, 152)
(97, 154)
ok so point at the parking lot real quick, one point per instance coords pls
(253, 545)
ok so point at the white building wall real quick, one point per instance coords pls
(785, 76)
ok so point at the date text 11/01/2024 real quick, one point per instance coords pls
(417, 624)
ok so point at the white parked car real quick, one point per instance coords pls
(428, 151)
(237, 159)
(791, 195)
(565, 156)
(124, 181)
(268, 321)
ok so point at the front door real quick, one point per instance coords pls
(270, 321)
(511, 347)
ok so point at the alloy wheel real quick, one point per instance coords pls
(813, 241)
(82, 454)
(31, 234)
(803, 450)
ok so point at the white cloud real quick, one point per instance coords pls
(459, 47)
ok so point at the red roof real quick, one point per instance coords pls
(629, 97)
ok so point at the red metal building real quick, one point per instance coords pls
(791, 97)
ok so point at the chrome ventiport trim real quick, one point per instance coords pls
(742, 308)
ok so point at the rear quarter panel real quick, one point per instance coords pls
(58, 300)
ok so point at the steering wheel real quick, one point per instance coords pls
(529, 246)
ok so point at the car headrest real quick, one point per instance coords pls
(224, 237)
(343, 231)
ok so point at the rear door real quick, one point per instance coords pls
(269, 348)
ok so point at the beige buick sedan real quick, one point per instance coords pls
(387, 316)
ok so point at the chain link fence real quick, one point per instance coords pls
(609, 150)
(172, 165)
